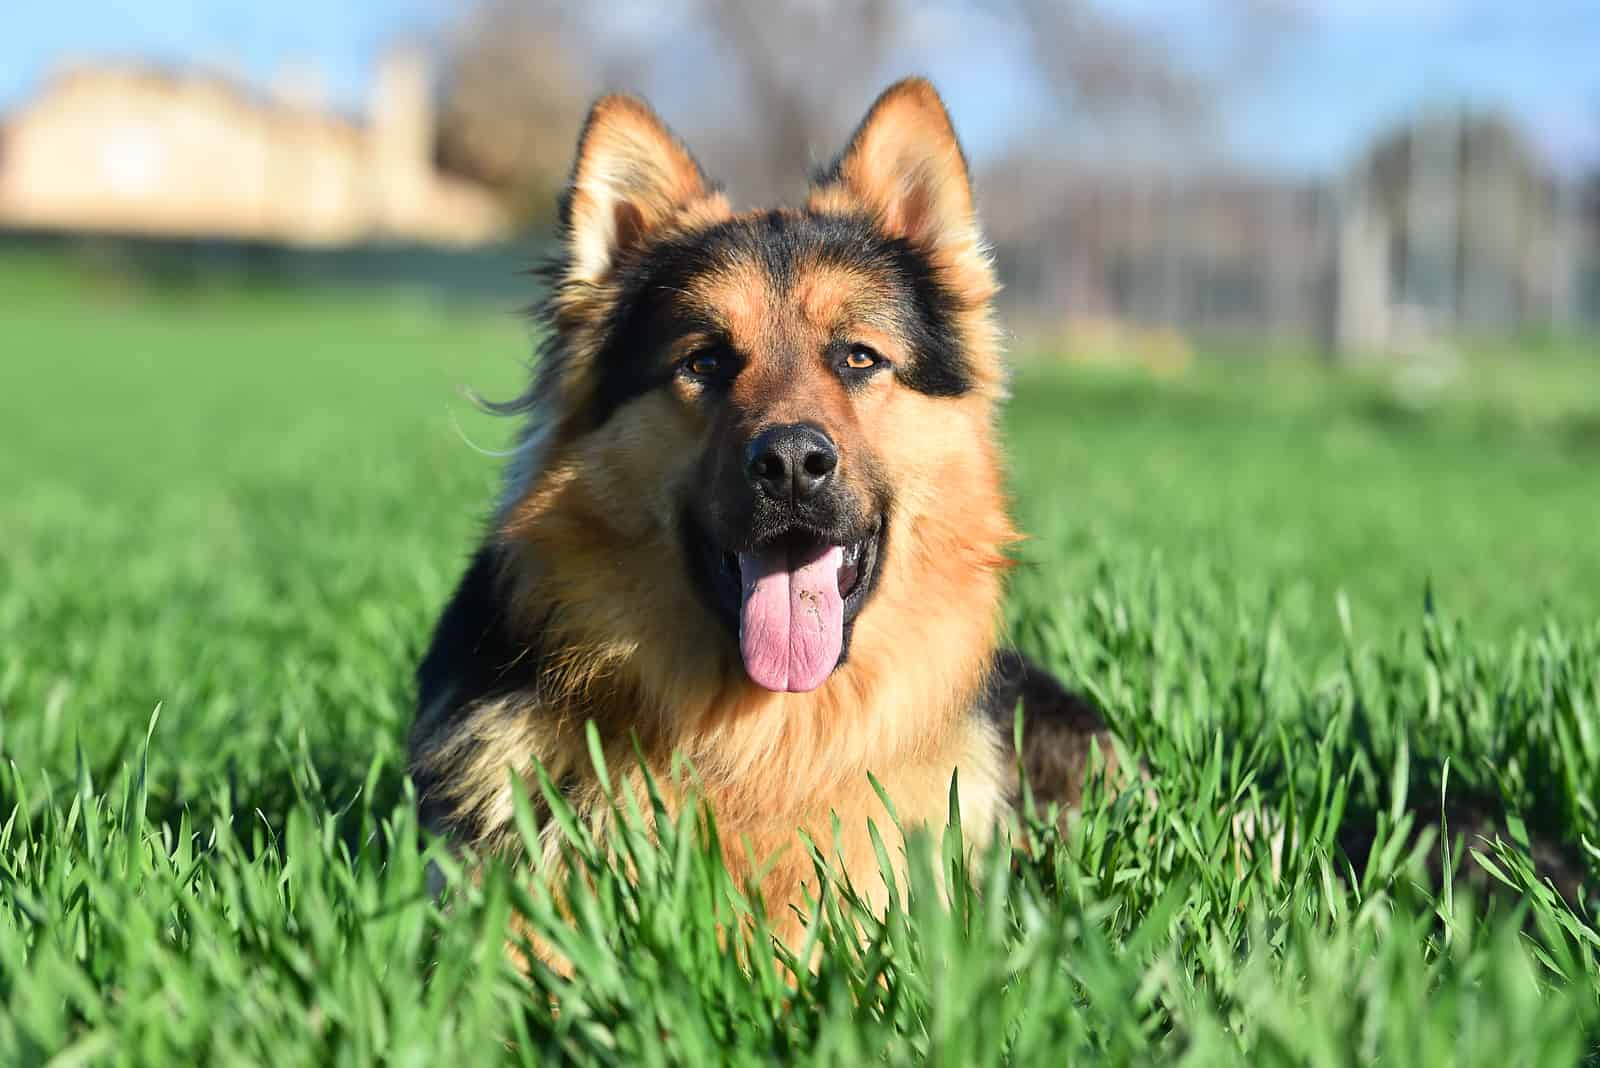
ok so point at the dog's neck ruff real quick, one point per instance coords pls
(666, 673)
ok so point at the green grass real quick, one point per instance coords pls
(227, 521)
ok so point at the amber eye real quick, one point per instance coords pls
(704, 365)
(861, 358)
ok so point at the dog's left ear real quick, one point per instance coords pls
(905, 167)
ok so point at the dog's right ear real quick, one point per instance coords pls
(631, 176)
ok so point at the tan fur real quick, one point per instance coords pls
(594, 562)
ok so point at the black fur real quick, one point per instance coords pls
(1471, 823)
(939, 370)
(1059, 728)
(474, 656)
(473, 649)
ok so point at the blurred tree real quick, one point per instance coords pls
(805, 68)
(519, 76)
(1099, 67)
(776, 85)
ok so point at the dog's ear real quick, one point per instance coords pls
(631, 175)
(905, 167)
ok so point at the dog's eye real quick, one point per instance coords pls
(862, 358)
(707, 364)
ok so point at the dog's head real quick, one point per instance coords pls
(755, 432)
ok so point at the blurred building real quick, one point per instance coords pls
(138, 151)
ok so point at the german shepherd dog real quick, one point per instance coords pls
(756, 517)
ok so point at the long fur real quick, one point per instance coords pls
(578, 607)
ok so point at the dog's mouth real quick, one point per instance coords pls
(792, 599)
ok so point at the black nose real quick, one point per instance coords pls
(791, 462)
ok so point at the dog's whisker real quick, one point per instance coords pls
(499, 454)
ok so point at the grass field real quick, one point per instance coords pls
(228, 519)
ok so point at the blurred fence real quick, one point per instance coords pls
(1448, 227)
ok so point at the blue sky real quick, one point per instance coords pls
(253, 37)
(1340, 71)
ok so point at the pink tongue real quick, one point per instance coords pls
(791, 627)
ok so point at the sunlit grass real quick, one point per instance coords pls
(228, 520)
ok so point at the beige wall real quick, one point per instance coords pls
(129, 151)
